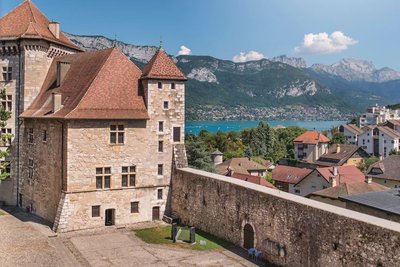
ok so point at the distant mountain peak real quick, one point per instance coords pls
(353, 69)
(296, 62)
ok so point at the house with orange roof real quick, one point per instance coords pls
(310, 145)
(286, 177)
(96, 135)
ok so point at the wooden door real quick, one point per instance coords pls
(156, 213)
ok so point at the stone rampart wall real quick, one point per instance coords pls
(290, 230)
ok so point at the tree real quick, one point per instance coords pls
(4, 139)
(268, 177)
(339, 138)
(366, 163)
(197, 154)
(393, 152)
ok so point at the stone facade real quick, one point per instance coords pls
(64, 186)
(290, 230)
(34, 58)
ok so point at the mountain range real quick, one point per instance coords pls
(277, 88)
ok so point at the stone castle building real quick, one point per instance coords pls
(94, 135)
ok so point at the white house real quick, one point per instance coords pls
(351, 132)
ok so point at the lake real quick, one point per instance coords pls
(194, 127)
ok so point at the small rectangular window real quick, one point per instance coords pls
(135, 207)
(172, 85)
(5, 139)
(166, 104)
(103, 178)
(6, 102)
(159, 84)
(161, 126)
(30, 135)
(30, 168)
(159, 193)
(117, 134)
(160, 146)
(95, 211)
(160, 169)
(7, 74)
(44, 136)
(128, 176)
(177, 134)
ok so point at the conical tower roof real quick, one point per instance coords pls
(27, 21)
(161, 66)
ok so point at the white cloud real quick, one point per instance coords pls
(184, 51)
(322, 43)
(249, 56)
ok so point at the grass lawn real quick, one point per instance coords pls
(2, 213)
(161, 235)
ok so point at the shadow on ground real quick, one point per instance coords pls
(24, 216)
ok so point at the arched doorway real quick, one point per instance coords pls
(248, 236)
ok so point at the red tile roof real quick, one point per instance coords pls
(162, 67)
(288, 174)
(252, 179)
(312, 137)
(98, 85)
(346, 174)
(27, 21)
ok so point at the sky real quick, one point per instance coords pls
(320, 31)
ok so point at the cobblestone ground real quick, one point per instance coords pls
(27, 241)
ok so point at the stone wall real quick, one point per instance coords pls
(41, 193)
(290, 230)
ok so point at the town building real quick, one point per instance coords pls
(97, 135)
(322, 178)
(393, 124)
(332, 195)
(382, 204)
(377, 115)
(386, 171)
(342, 154)
(379, 141)
(286, 177)
(310, 145)
(351, 132)
(243, 165)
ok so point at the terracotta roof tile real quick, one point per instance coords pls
(288, 174)
(252, 179)
(162, 67)
(27, 21)
(98, 85)
(312, 137)
(346, 174)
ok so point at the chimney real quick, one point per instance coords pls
(54, 27)
(332, 181)
(57, 102)
(62, 69)
(368, 179)
(337, 148)
(319, 136)
(335, 172)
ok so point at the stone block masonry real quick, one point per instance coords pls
(288, 229)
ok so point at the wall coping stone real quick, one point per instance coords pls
(394, 226)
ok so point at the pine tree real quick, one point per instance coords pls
(4, 139)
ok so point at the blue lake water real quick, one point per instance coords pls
(194, 127)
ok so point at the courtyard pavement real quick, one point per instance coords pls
(25, 240)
